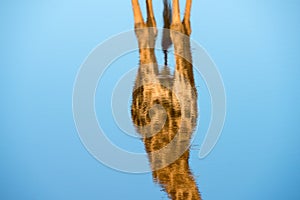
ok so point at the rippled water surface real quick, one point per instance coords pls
(255, 46)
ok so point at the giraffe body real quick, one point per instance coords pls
(164, 106)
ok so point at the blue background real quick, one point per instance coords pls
(255, 45)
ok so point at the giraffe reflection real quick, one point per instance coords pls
(164, 106)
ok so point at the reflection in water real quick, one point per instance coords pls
(164, 106)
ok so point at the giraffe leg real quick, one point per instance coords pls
(150, 14)
(176, 25)
(187, 16)
(137, 13)
(176, 12)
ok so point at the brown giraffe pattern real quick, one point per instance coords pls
(165, 105)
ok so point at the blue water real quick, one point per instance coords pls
(256, 47)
